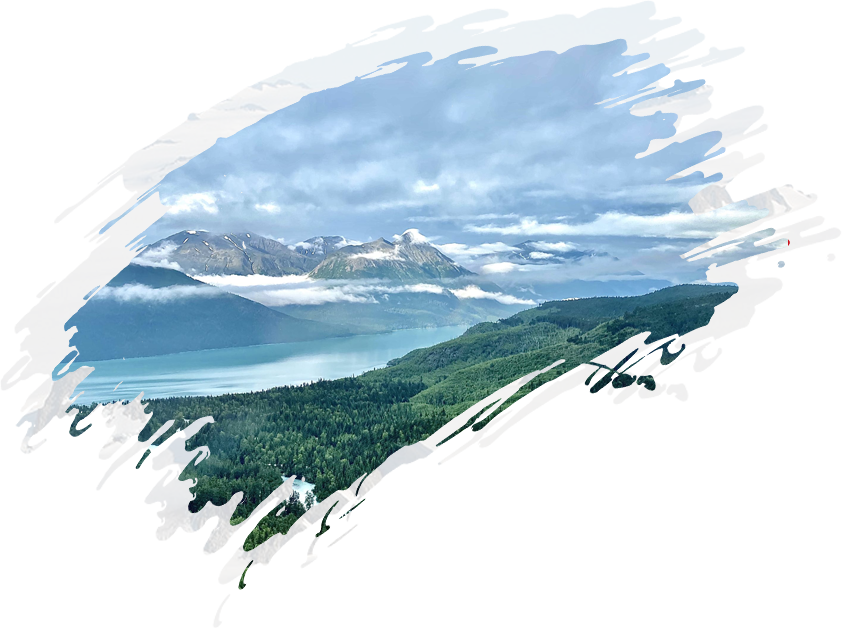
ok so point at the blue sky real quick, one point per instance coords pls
(484, 149)
(477, 158)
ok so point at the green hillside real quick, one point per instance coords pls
(332, 432)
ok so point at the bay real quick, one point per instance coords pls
(247, 369)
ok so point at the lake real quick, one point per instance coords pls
(246, 369)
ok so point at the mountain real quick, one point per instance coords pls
(147, 311)
(203, 253)
(410, 258)
(409, 283)
(406, 310)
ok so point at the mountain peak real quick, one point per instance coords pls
(410, 236)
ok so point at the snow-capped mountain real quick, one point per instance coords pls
(203, 253)
(408, 258)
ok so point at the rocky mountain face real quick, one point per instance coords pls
(408, 258)
(203, 253)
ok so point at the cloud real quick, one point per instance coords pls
(369, 155)
(553, 246)
(664, 248)
(411, 236)
(195, 202)
(459, 218)
(540, 255)
(378, 255)
(475, 292)
(250, 281)
(421, 188)
(456, 249)
(673, 224)
(313, 295)
(500, 267)
(140, 292)
(158, 257)
(415, 287)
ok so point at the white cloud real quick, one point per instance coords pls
(158, 257)
(422, 188)
(410, 235)
(312, 295)
(416, 287)
(378, 255)
(499, 267)
(552, 246)
(475, 292)
(198, 202)
(539, 255)
(251, 281)
(271, 208)
(664, 248)
(140, 292)
(456, 249)
(671, 225)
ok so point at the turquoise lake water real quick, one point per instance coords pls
(245, 369)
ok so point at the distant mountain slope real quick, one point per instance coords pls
(587, 313)
(406, 310)
(409, 258)
(203, 253)
(148, 311)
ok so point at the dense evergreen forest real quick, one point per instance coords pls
(333, 432)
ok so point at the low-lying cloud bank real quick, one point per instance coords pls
(675, 224)
(140, 292)
(293, 290)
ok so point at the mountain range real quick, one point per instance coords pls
(203, 253)
(154, 306)
(408, 258)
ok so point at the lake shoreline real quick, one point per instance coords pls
(231, 370)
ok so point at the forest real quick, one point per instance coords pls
(334, 432)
